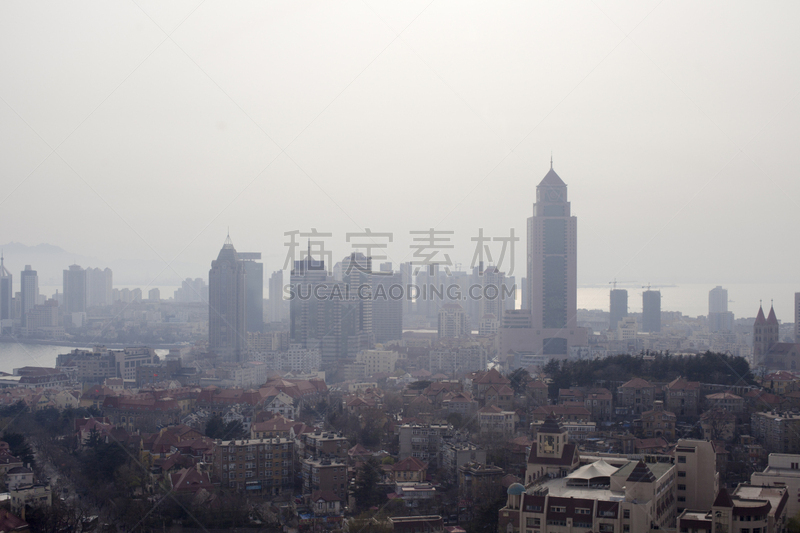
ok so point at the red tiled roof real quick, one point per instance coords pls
(680, 383)
(190, 480)
(324, 495)
(409, 464)
(637, 383)
(10, 522)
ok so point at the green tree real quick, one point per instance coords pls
(519, 380)
(19, 447)
(216, 428)
(367, 478)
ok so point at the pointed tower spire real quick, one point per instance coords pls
(760, 316)
(771, 318)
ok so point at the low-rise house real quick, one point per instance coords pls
(492, 419)
(36, 495)
(682, 397)
(781, 382)
(277, 427)
(190, 481)
(461, 403)
(10, 523)
(326, 503)
(599, 403)
(655, 445)
(7, 462)
(500, 395)
(718, 424)
(725, 400)
(409, 470)
(415, 494)
(659, 422)
(760, 400)
(20, 476)
(477, 483)
(537, 393)
(636, 396)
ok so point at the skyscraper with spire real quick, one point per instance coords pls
(227, 305)
(553, 268)
(547, 326)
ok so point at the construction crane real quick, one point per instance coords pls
(614, 283)
(649, 286)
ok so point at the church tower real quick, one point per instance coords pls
(766, 333)
(550, 439)
(551, 454)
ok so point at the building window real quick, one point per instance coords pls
(681, 473)
(626, 513)
(681, 458)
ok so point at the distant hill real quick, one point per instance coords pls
(50, 261)
(47, 259)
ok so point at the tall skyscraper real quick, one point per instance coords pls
(717, 300)
(332, 316)
(452, 322)
(277, 305)
(227, 305)
(305, 307)
(618, 308)
(192, 290)
(254, 290)
(651, 311)
(719, 318)
(74, 290)
(797, 317)
(99, 287)
(387, 304)
(29, 292)
(6, 293)
(407, 275)
(493, 282)
(552, 276)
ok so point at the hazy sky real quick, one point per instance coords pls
(143, 130)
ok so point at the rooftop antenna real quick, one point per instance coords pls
(551, 160)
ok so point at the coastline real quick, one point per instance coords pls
(74, 344)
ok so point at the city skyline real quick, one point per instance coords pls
(661, 152)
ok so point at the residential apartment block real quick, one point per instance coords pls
(258, 466)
